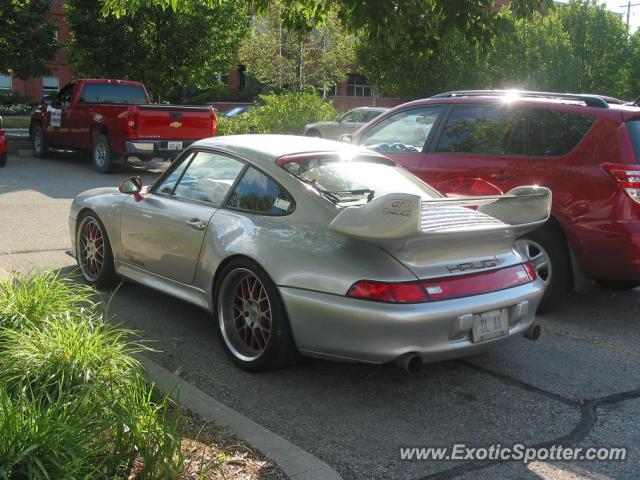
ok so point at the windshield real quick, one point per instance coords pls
(356, 181)
(113, 93)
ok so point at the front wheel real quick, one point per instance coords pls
(3, 159)
(313, 133)
(252, 323)
(40, 147)
(548, 252)
(93, 252)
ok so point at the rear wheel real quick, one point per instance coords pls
(619, 284)
(102, 154)
(40, 147)
(93, 252)
(546, 249)
(252, 323)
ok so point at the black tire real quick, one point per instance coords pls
(314, 133)
(102, 155)
(558, 278)
(618, 284)
(279, 349)
(3, 159)
(106, 276)
(40, 145)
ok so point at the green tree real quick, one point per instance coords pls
(27, 39)
(290, 60)
(419, 24)
(168, 51)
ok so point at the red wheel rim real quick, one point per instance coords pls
(91, 249)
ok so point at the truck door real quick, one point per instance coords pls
(58, 119)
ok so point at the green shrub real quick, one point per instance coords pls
(37, 297)
(73, 401)
(279, 113)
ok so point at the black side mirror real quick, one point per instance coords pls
(132, 186)
(48, 99)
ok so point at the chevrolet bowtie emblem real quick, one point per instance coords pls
(175, 124)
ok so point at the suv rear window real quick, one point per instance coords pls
(553, 133)
(355, 181)
(633, 127)
(113, 93)
(484, 129)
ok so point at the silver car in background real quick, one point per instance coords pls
(346, 123)
(313, 247)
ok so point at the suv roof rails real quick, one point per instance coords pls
(589, 100)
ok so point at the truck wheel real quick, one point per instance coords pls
(3, 159)
(547, 250)
(40, 147)
(102, 154)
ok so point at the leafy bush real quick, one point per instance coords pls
(11, 97)
(73, 401)
(279, 113)
(18, 109)
(221, 93)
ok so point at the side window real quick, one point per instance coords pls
(168, 185)
(207, 178)
(65, 96)
(553, 133)
(404, 132)
(354, 116)
(256, 192)
(484, 129)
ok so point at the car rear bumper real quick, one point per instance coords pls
(154, 148)
(342, 328)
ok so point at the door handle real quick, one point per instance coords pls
(197, 224)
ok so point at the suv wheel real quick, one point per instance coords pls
(547, 250)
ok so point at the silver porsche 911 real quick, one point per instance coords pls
(308, 246)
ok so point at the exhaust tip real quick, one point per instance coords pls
(409, 362)
(533, 333)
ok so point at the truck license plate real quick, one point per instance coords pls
(174, 145)
(490, 325)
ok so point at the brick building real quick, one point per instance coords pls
(60, 69)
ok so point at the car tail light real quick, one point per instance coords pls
(405, 292)
(130, 126)
(627, 176)
(445, 288)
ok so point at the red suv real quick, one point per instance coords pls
(585, 148)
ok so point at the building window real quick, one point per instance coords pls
(358, 86)
(5, 82)
(50, 85)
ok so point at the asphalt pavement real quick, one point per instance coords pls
(579, 385)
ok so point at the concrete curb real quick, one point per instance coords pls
(297, 463)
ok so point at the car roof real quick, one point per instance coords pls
(266, 148)
(370, 109)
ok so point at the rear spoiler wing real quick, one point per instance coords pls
(402, 216)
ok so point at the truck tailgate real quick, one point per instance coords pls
(175, 122)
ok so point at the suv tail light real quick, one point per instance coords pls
(444, 288)
(627, 176)
(130, 126)
(214, 122)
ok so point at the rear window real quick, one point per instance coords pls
(113, 93)
(484, 129)
(553, 133)
(633, 127)
(356, 181)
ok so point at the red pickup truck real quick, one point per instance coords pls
(115, 120)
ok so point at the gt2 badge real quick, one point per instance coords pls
(398, 207)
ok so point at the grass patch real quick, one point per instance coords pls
(16, 121)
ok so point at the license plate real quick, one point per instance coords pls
(174, 145)
(490, 325)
